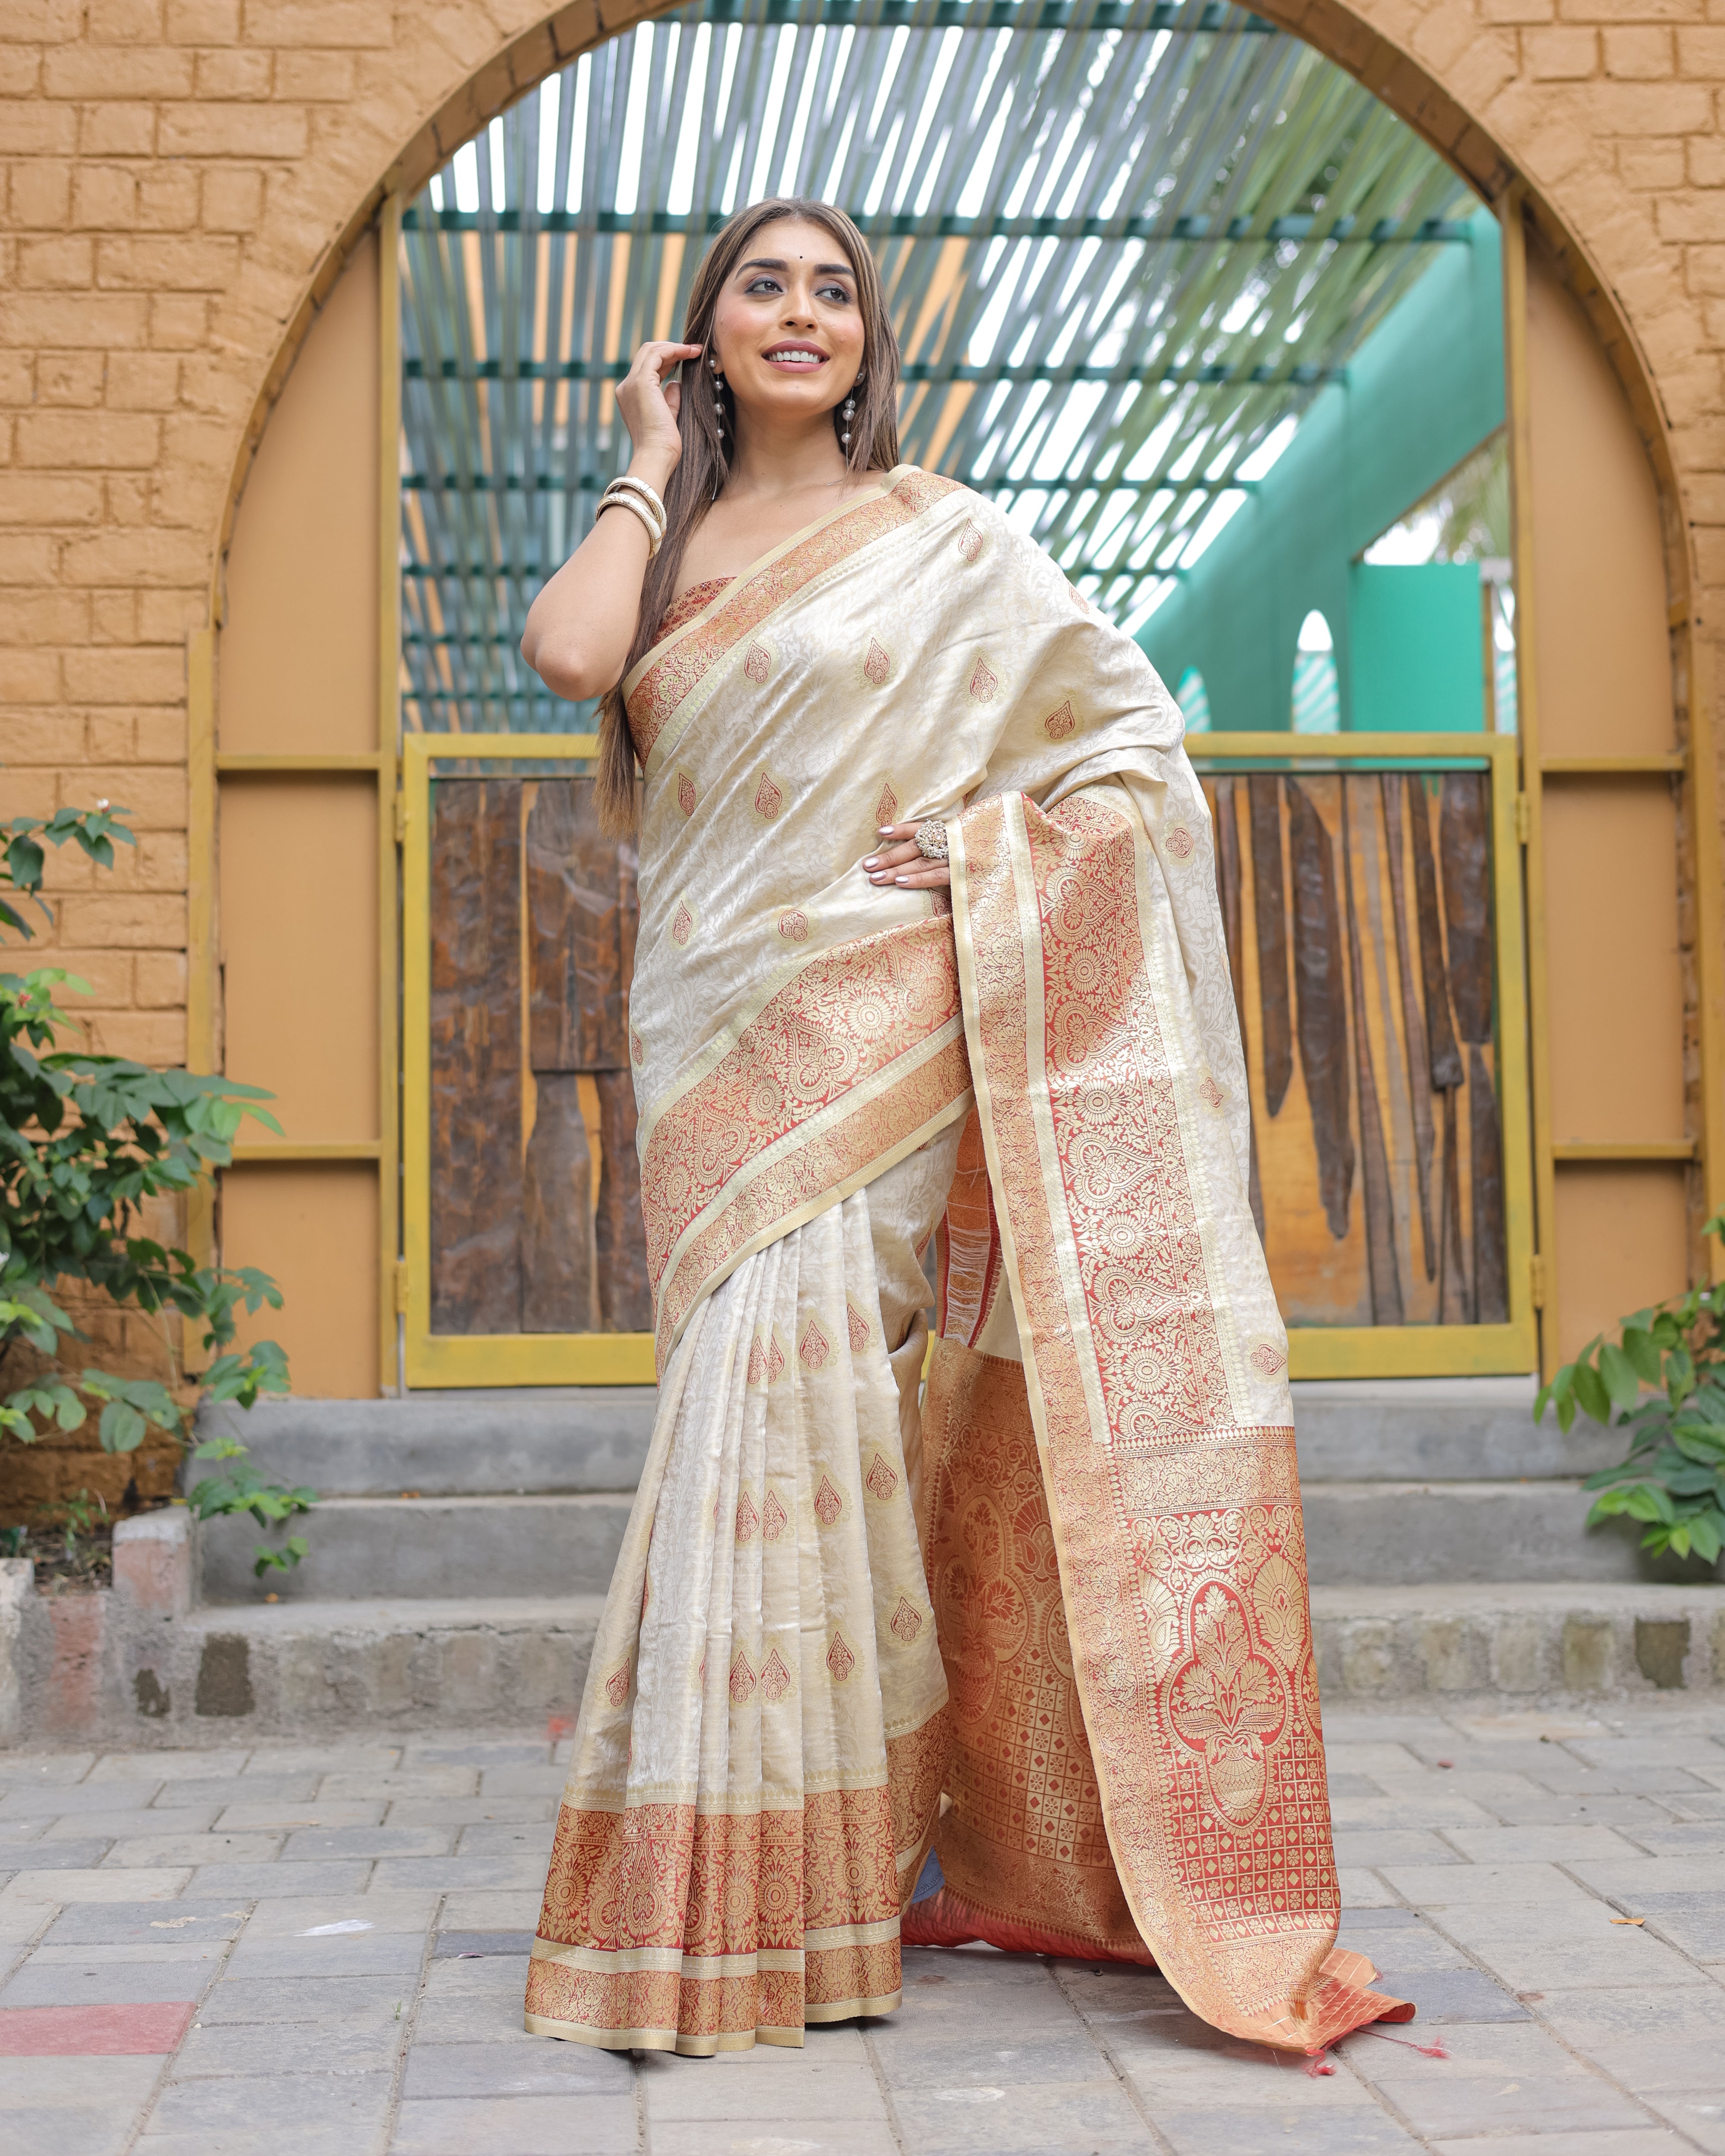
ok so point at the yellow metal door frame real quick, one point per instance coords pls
(478, 1358)
(1425, 1351)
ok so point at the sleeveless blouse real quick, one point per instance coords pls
(687, 604)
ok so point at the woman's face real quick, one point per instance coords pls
(788, 331)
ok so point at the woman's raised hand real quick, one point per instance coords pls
(578, 630)
(898, 862)
(649, 404)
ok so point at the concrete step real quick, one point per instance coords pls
(452, 1495)
(563, 1439)
(451, 1549)
(1562, 1637)
(1438, 1430)
(502, 1663)
(134, 1665)
(1416, 1533)
(446, 1549)
(572, 1438)
(224, 1676)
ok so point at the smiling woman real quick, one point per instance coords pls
(785, 320)
(929, 947)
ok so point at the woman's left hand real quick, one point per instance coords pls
(898, 862)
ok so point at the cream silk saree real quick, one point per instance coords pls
(1049, 1621)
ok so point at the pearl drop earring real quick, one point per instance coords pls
(848, 414)
(719, 399)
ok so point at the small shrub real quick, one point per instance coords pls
(85, 1140)
(1672, 1478)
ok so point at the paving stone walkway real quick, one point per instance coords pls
(321, 1952)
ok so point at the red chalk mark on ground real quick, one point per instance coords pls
(64, 2032)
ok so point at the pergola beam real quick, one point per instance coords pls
(1343, 231)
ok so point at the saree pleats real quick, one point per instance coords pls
(1024, 1849)
(760, 1748)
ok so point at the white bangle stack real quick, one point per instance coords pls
(635, 494)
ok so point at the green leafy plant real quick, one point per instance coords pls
(1672, 1478)
(84, 1140)
(241, 1489)
(79, 1515)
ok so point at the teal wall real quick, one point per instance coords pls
(1422, 393)
(1416, 641)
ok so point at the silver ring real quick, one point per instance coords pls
(931, 841)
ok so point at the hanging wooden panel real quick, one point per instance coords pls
(475, 1164)
(526, 1258)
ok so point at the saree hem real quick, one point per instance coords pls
(951, 1919)
(849, 2009)
(657, 2039)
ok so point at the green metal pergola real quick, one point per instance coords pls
(1125, 245)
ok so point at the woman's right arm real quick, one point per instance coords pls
(580, 628)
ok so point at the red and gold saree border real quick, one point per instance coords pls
(668, 674)
(667, 1929)
(847, 1066)
(1177, 1531)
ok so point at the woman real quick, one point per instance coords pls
(928, 928)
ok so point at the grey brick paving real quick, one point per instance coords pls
(291, 1813)
(352, 1926)
(131, 1825)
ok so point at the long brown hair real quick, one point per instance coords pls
(704, 465)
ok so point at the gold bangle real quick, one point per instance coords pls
(654, 538)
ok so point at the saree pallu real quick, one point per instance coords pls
(1104, 1673)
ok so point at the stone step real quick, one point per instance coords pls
(561, 1440)
(445, 1549)
(1562, 1637)
(134, 1665)
(455, 1548)
(573, 1438)
(501, 1663)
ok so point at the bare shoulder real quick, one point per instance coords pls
(739, 531)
